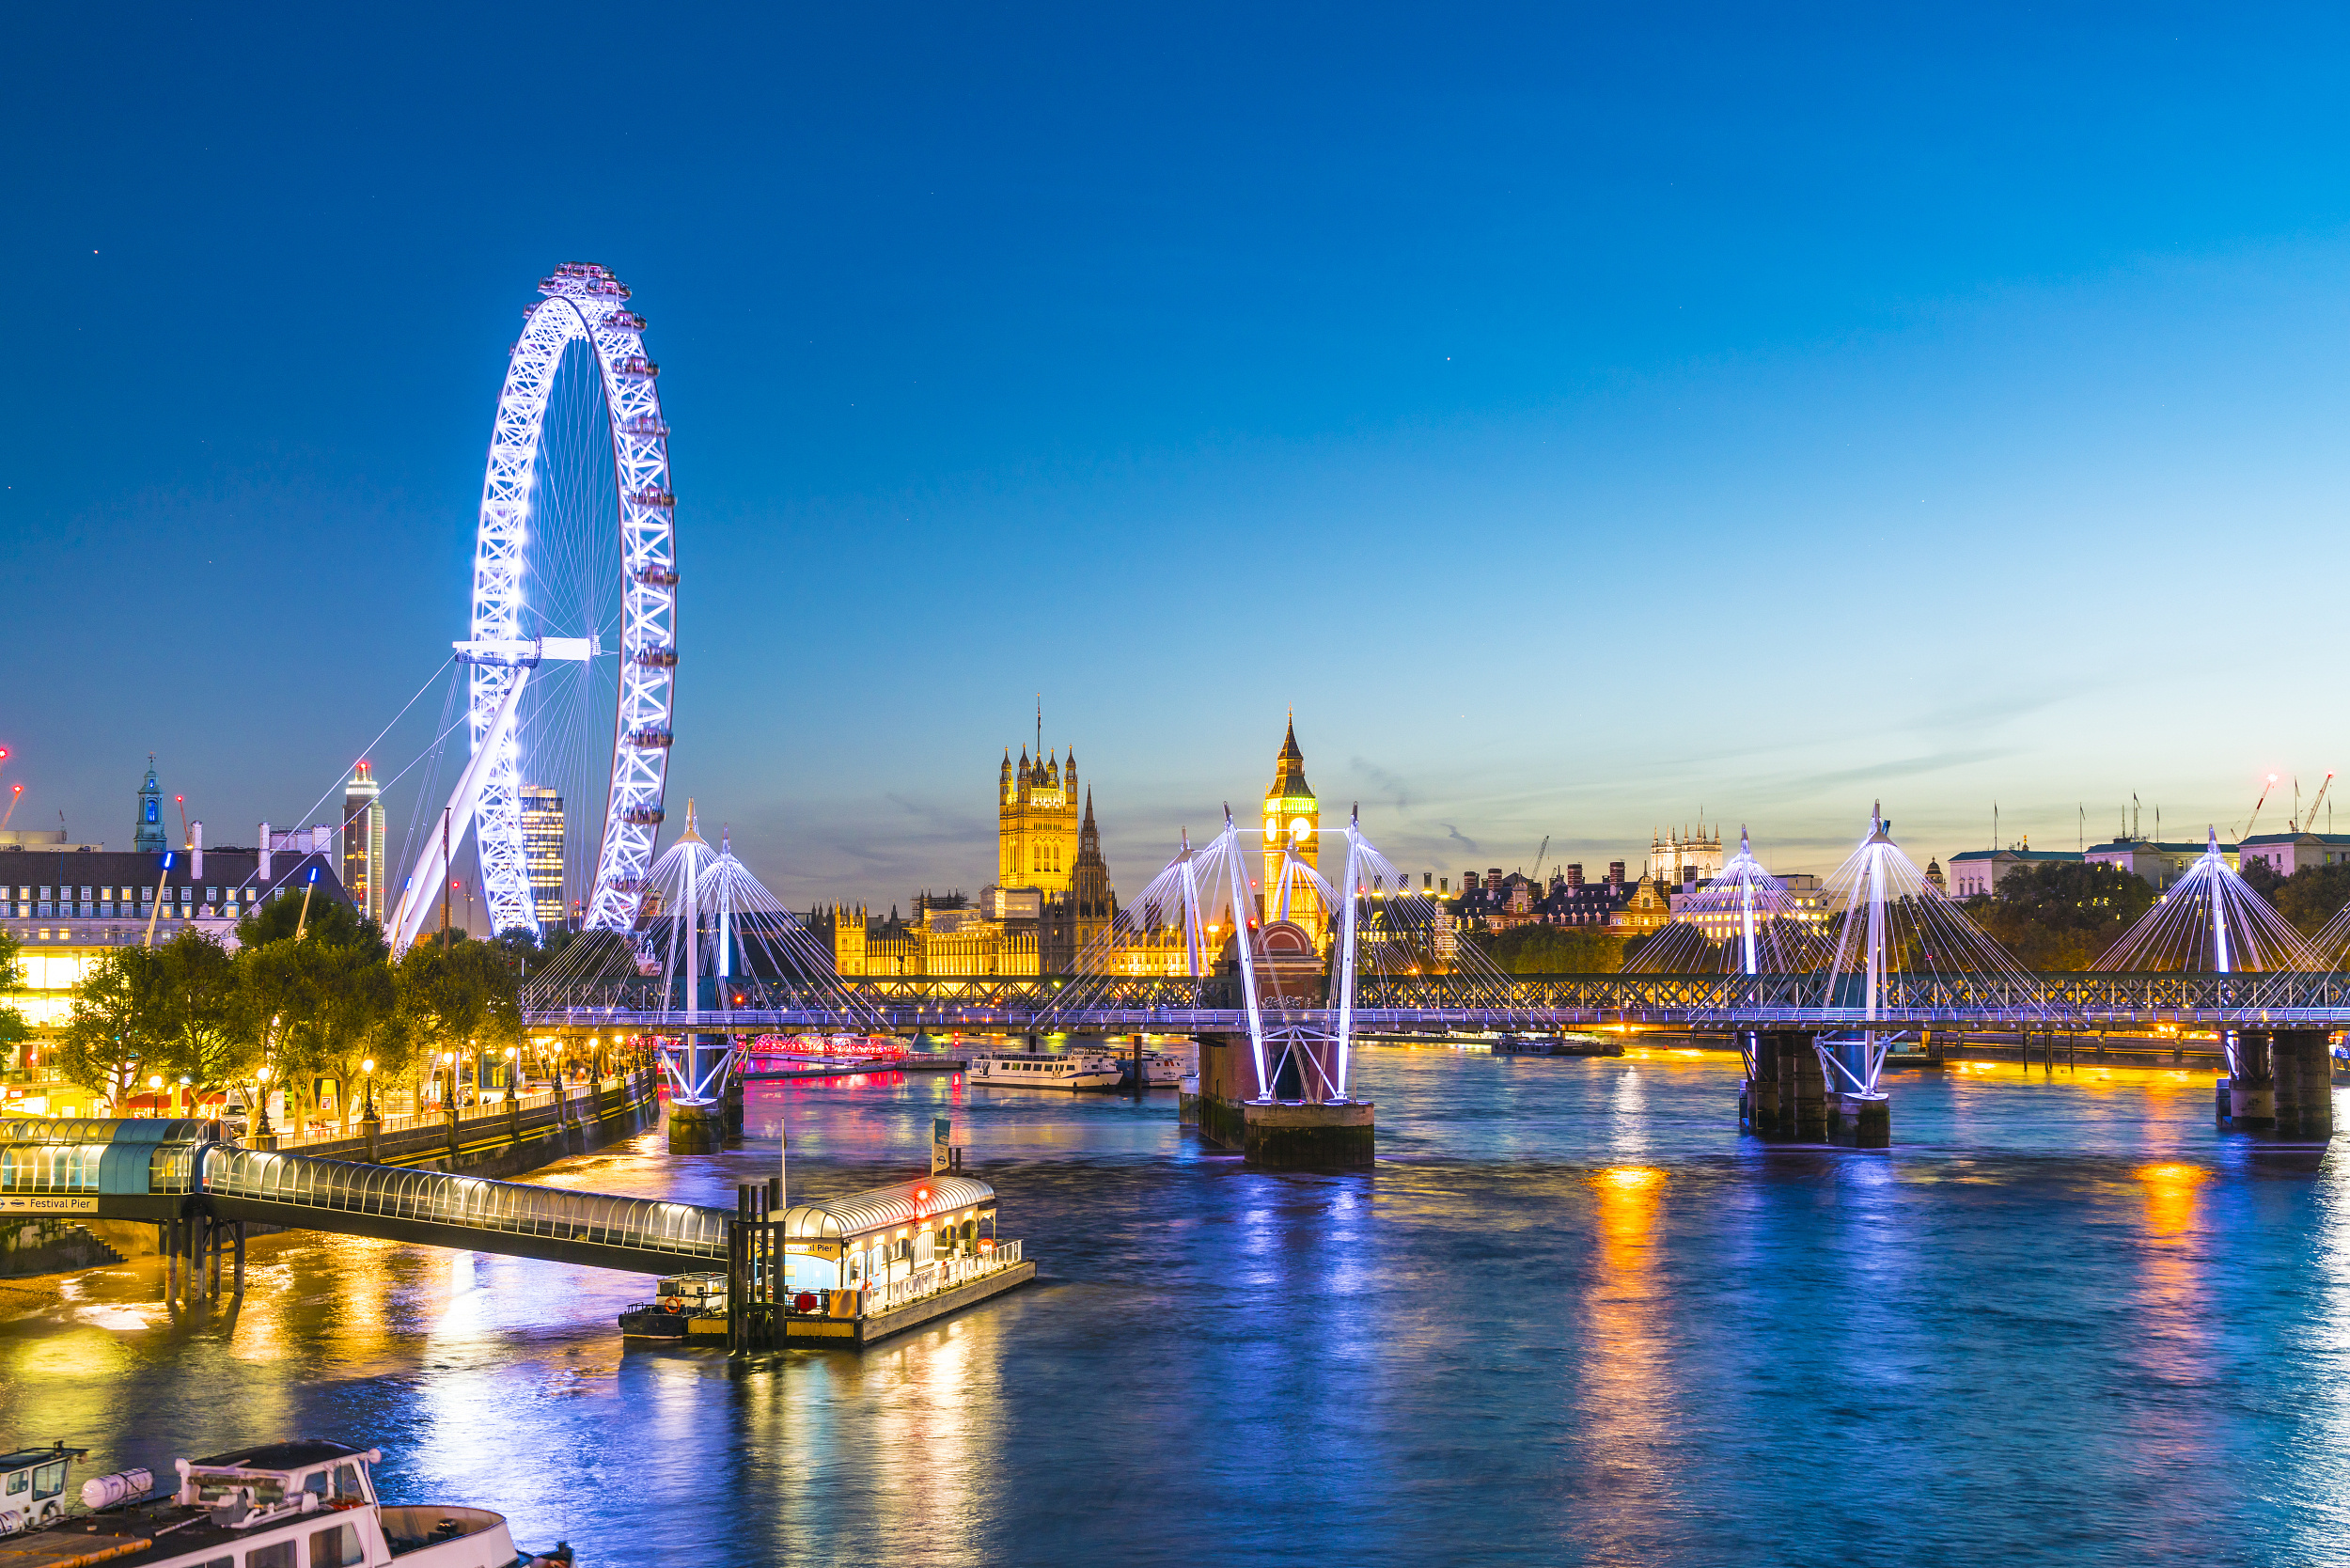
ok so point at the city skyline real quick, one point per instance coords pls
(1591, 457)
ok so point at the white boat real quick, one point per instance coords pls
(1045, 1069)
(305, 1504)
(1161, 1068)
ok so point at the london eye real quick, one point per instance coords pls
(572, 637)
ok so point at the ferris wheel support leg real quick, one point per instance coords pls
(420, 891)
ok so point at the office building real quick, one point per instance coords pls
(363, 842)
(542, 855)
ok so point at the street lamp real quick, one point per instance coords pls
(260, 1077)
(366, 1076)
(187, 1092)
(514, 1073)
(155, 1084)
(448, 1096)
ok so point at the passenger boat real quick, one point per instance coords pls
(1160, 1069)
(1046, 1069)
(684, 1300)
(282, 1505)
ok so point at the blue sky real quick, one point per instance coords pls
(1581, 416)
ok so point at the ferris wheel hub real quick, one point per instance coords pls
(528, 651)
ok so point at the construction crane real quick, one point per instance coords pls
(2308, 823)
(2256, 808)
(1541, 853)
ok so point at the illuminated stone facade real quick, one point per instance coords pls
(1050, 900)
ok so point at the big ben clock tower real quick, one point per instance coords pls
(1291, 815)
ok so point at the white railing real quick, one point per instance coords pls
(942, 1274)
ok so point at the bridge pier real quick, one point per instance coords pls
(2282, 1083)
(2246, 1098)
(699, 1126)
(196, 1248)
(2303, 1071)
(1275, 1135)
(1859, 1122)
(1787, 1096)
(696, 1127)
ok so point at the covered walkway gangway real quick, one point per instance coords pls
(172, 1170)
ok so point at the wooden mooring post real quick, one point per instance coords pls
(754, 1263)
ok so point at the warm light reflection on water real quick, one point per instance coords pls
(1573, 1316)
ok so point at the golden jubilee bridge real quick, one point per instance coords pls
(1815, 997)
(2086, 1003)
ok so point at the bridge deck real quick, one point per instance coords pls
(641, 1235)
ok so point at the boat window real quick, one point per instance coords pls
(315, 1482)
(277, 1554)
(19, 1481)
(230, 1561)
(336, 1548)
(48, 1481)
(347, 1483)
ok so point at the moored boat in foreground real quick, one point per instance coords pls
(305, 1504)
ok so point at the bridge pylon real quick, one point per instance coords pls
(1202, 937)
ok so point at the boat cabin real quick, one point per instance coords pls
(879, 1237)
(236, 1485)
(32, 1485)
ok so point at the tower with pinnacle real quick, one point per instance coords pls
(1037, 827)
(1292, 821)
(147, 838)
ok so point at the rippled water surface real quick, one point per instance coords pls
(1572, 1317)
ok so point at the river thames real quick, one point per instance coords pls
(1570, 1317)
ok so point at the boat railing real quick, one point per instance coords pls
(940, 1274)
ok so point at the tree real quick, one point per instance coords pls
(464, 999)
(2260, 877)
(115, 1024)
(329, 921)
(345, 1012)
(2313, 896)
(2061, 915)
(14, 1029)
(200, 1034)
(1539, 949)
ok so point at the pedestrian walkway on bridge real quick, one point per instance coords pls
(172, 1172)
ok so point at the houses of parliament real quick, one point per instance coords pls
(1050, 900)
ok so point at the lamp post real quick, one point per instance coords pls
(187, 1093)
(263, 1137)
(369, 1122)
(155, 1085)
(448, 1095)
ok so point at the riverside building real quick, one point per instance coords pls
(70, 904)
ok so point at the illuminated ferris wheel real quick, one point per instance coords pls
(572, 643)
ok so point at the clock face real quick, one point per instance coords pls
(1301, 830)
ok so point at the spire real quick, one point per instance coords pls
(1289, 774)
(690, 836)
